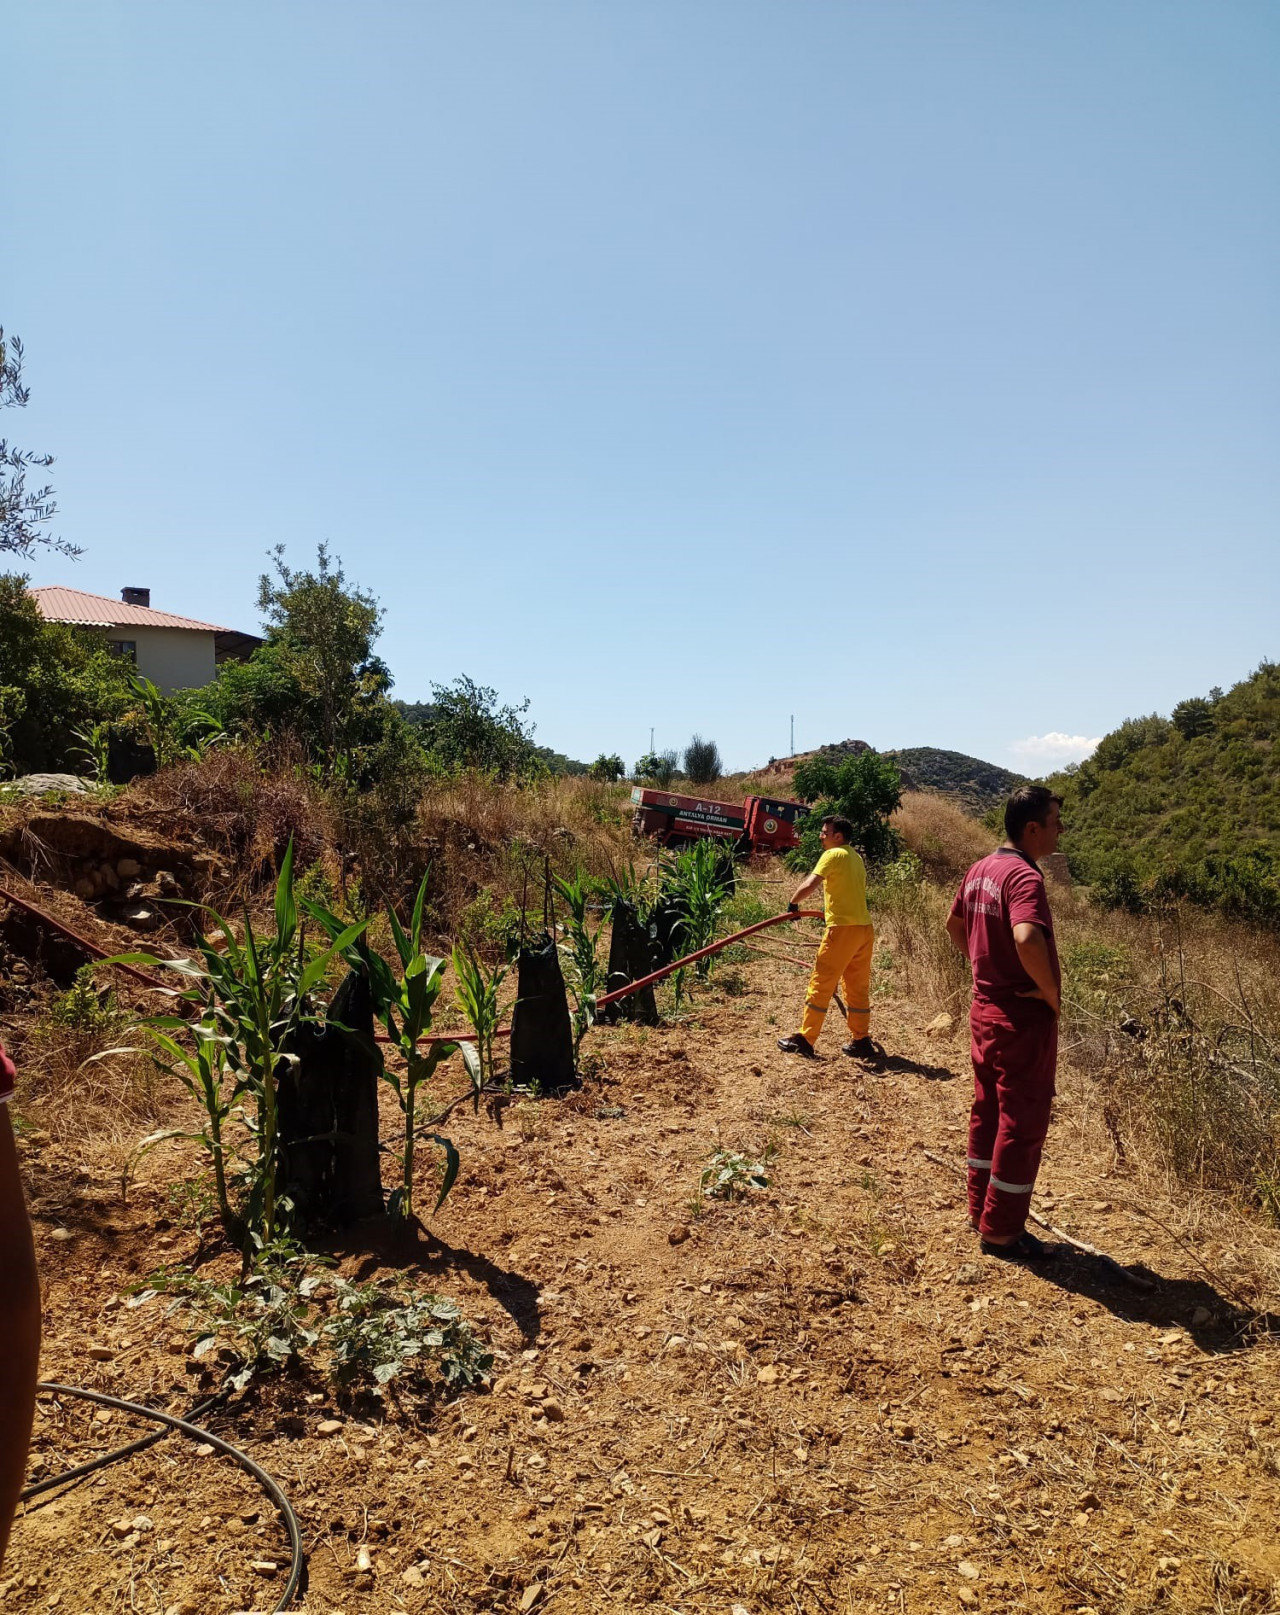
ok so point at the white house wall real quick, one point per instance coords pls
(172, 658)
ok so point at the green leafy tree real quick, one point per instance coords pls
(609, 769)
(864, 788)
(1193, 717)
(658, 768)
(466, 727)
(702, 761)
(323, 630)
(24, 511)
(56, 683)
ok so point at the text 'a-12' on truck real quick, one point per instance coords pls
(760, 824)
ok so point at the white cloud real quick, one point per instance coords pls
(1055, 747)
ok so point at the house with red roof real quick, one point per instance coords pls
(175, 653)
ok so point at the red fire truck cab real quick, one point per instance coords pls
(760, 824)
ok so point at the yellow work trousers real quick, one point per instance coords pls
(844, 960)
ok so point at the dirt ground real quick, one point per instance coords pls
(818, 1397)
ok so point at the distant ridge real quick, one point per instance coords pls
(974, 785)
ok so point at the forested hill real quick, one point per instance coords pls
(978, 786)
(1188, 803)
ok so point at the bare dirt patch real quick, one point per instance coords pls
(815, 1397)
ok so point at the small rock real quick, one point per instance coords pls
(413, 1577)
(967, 1597)
(940, 1026)
(264, 1567)
(140, 916)
(101, 1354)
(768, 1375)
(678, 1234)
(1100, 1206)
(142, 1524)
(121, 1528)
(552, 1411)
(1200, 1317)
(61, 1234)
(530, 1596)
(967, 1273)
(364, 1560)
(128, 868)
(1088, 1500)
(329, 1427)
(968, 1570)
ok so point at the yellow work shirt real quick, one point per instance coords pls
(844, 886)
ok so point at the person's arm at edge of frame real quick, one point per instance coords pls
(958, 932)
(19, 1330)
(1033, 955)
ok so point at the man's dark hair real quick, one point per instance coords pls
(1028, 804)
(841, 826)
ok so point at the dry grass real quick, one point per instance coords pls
(68, 1092)
(944, 838)
(244, 804)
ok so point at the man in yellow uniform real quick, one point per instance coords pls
(844, 958)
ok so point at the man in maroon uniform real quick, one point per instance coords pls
(19, 1317)
(1001, 921)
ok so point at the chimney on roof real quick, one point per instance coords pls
(136, 597)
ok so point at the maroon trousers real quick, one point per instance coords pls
(1015, 1054)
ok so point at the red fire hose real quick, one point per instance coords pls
(657, 975)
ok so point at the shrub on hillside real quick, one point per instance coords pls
(864, 788)
(1186, 805)
(702, 761)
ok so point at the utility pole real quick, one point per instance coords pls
(651, 740)
(792, 752)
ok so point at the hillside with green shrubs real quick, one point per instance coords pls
(976, 785)
(1187, 805)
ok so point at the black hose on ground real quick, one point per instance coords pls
(197, 1433)
(114, 1456)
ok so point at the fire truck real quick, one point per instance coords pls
(760, 824)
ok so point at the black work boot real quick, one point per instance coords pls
(795, 1044)
(1026, 1248)
(862, 1048)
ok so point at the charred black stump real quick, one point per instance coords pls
(541, 1033)
(328, 1122)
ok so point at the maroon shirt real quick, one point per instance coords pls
(8, 1076)
(1000, 891)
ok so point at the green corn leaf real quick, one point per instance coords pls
(452, 1161)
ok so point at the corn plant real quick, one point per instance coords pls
(95, 748)
(477, 993)
(584, 973)
(166, 727)
(249, 998)
(404, 1004)
(698, 881)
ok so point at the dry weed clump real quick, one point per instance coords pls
(64, 1088)
(1175, 1017)
(246, 804)
(944, 837)
(914, 955)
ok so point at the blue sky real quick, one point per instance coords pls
(909, 368)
